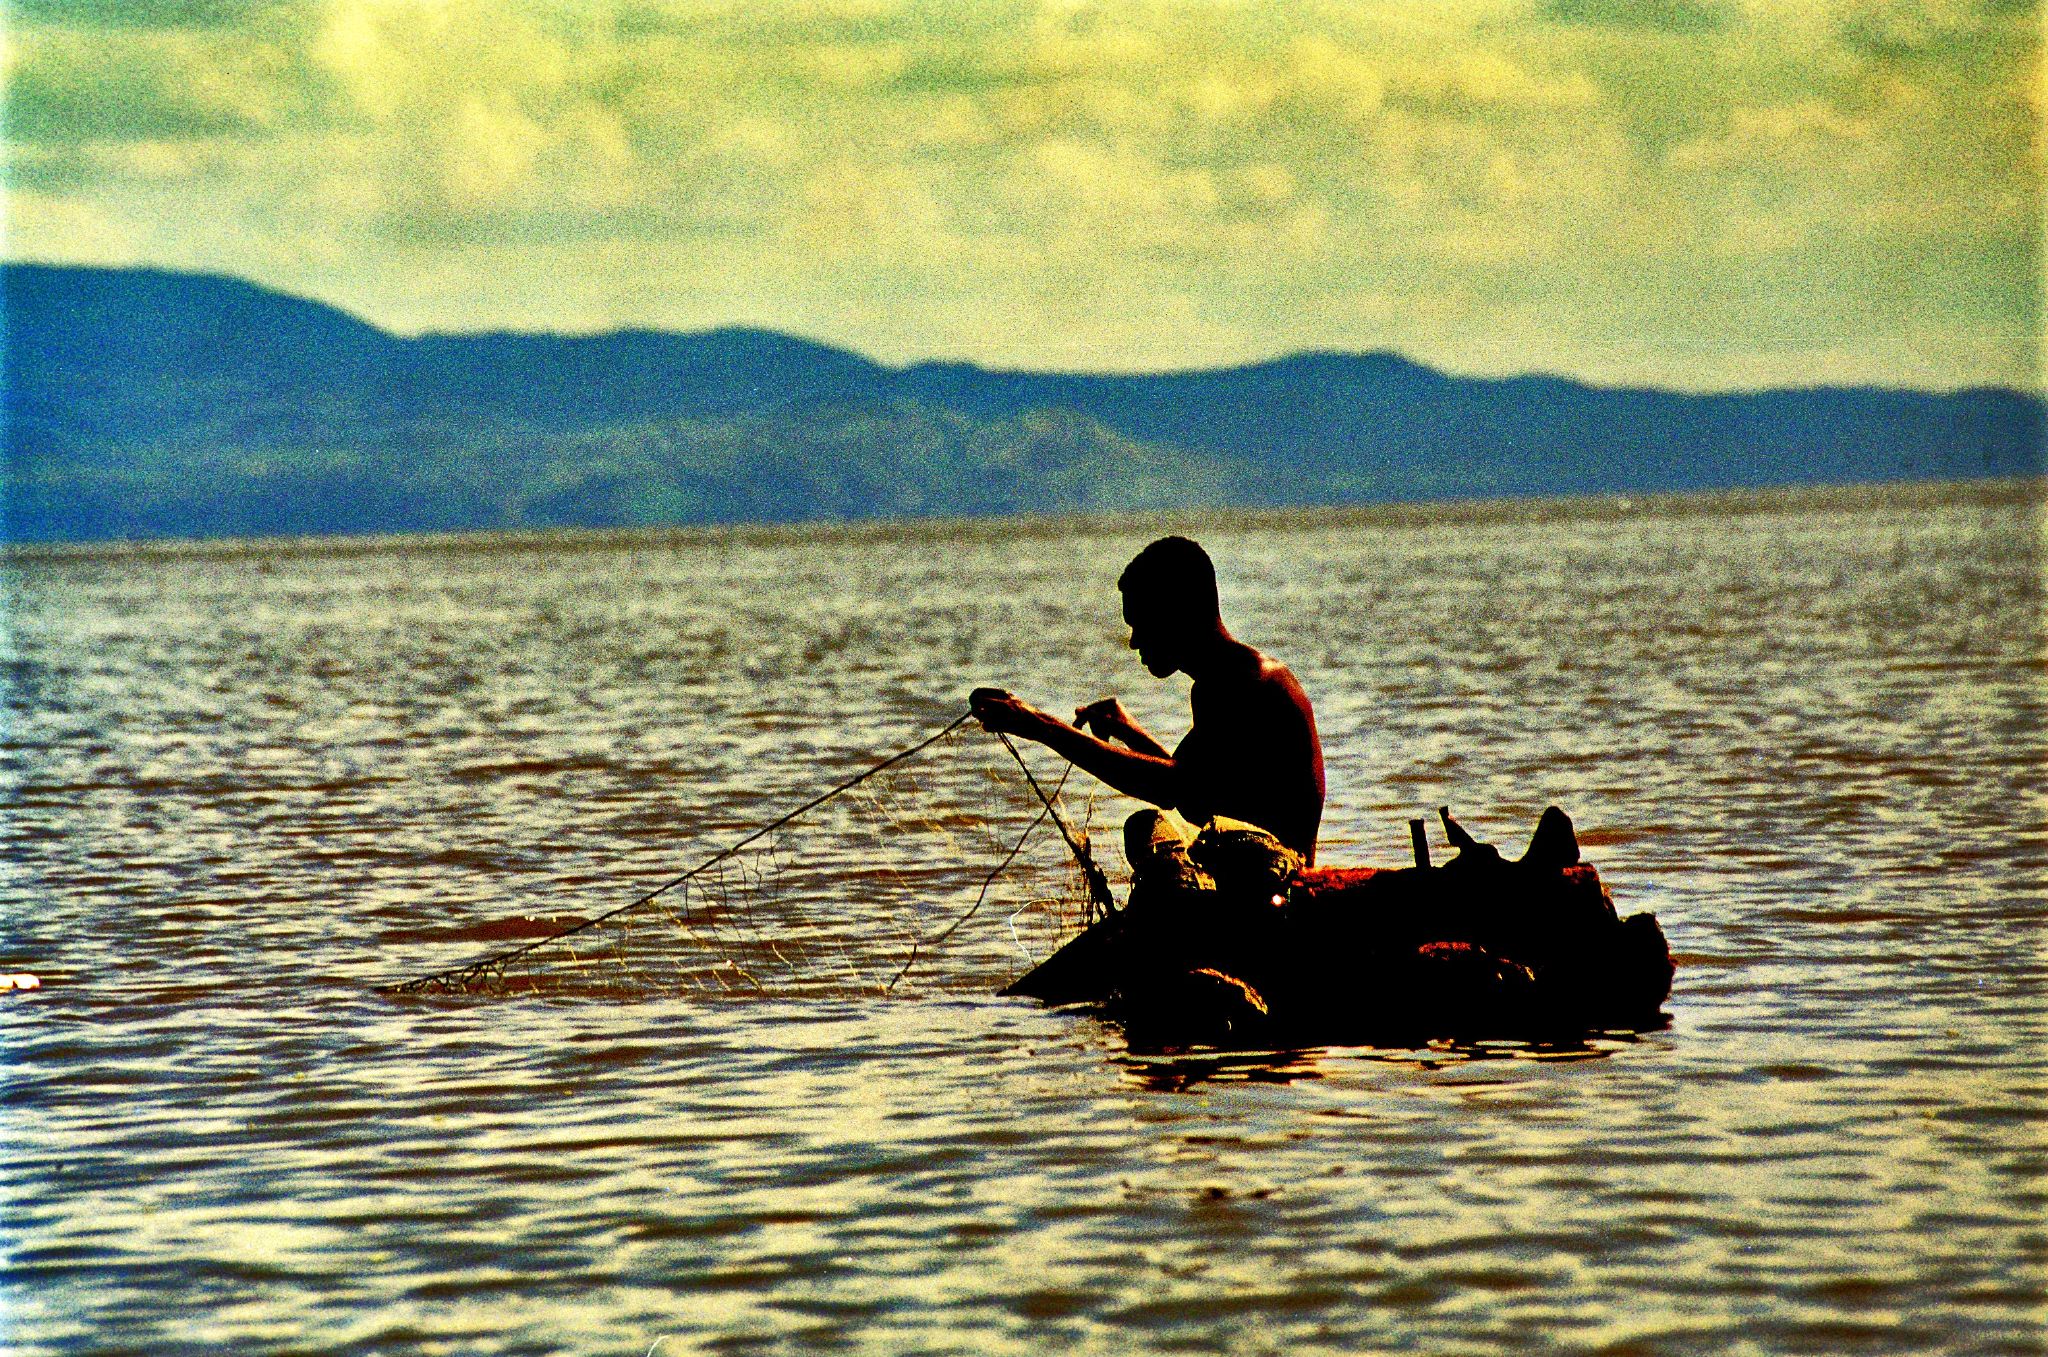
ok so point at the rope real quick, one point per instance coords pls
(1100, 897)
(455, 977)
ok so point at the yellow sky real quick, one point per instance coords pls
(1700, 193)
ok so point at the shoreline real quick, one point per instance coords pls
(1390, 514)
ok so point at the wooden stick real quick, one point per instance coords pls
(1416, 832)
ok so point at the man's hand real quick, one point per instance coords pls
(1107, 719)
(1007, 714)
(1147, 774)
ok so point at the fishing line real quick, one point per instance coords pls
(458, 977)
(1099, 895)
(986, 882)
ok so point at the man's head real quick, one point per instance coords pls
(1169, 592)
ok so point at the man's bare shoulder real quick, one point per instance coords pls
(1279, 682)
(1257, 679)
(1258, 669)
(1272, 671)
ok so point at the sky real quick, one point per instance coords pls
(1703, 194)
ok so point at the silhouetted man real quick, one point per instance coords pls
(1252, 753)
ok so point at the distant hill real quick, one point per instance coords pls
(142, 403)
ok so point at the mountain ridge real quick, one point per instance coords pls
(145, 403)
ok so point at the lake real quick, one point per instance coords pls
(247, 783)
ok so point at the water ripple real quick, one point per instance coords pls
(243, 784)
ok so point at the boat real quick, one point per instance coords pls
(1246, 946)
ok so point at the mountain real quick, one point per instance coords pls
(142, 403)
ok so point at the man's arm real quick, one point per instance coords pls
(1147, 776)
(1110, 721)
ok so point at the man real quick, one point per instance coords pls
(1252, 752)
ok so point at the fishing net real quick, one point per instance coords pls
(940, 870)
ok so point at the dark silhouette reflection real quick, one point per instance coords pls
(1558, 1049)
(1177, 1071)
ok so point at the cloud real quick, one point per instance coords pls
(69, 86)
(1664, 16)
(141, 14)
(1487, 183)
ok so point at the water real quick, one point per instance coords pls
(243, 785)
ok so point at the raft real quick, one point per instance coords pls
(1264, 951)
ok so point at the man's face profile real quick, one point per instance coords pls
(1154, 633)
